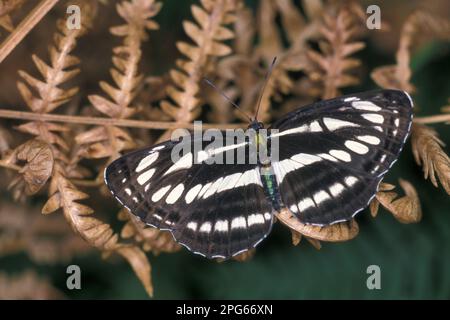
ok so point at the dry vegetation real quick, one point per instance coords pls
(72, 137)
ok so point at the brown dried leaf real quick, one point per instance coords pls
(151, 239)
(35, 159)
(338, 232)
(405, 209)
(428, 152)
(141, 267)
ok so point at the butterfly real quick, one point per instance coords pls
(332, 155)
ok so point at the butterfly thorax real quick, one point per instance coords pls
(265, 165)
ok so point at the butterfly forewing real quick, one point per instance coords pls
(216, 210)
(334, 153)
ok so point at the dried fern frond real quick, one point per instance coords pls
(137, 14)
(43, 96)
(151, 239)
(6, 8)
(27, 285)
(244, 68)
(405, 209)
(61, 68)
(109, 141)
(45, 240)
(35, 162)
(428, 152)
(335, 233)
(333, 66)
(418, 24)
(207, 35)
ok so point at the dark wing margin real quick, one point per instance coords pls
(215, 210)
(333, 154)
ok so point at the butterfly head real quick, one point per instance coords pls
(256, 125)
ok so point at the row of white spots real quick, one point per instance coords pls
(240, 222)
(282, 168)
(205, 191)
(321, 196)
(373, 117)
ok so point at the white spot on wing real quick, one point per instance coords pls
(256, 218)
(175, 194)
(221, 226)
(192, 225)
(229, 182)
(128, 191)
(356, 147)
(341, 155)
(145, 176)
(205, 227)
(335, 124)
(350, 180)
(369, 139)
(305, 158)
(147, 161)
(373, 117)
(185, 162)
(310, 127)
(160, 193)
(238, 222)
(321, 196)
(365, 105)
(351, 99)
(336, 189)
(327, 157)
(192, 193)
(305, 204)
(205, 187)
(213, 188)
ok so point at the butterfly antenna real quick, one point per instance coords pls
(227, 98)
(266, 79)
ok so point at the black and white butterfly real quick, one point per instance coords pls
(332, 156)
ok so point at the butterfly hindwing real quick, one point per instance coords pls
(334, 153)
(216, 210)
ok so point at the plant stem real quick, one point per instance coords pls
(433, 119)
(161, 125)
(25, 27)
(4, 164)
